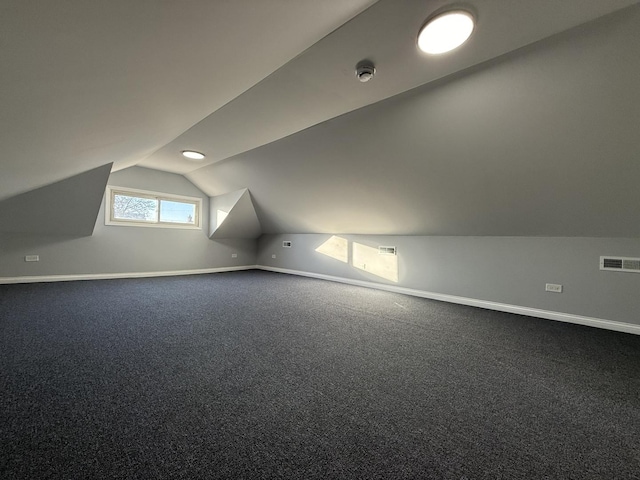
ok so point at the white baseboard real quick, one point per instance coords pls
(501, 307)
(107, 276)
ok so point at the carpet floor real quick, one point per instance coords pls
(258, 375)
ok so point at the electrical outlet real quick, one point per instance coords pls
(273, 255)
(234, 255)
(32, 258)
(553, 287)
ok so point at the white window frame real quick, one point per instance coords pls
(112, 190)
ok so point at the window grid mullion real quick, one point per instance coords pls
(158, 209)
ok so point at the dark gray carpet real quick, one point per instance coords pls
(262, 375)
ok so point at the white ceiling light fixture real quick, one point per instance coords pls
(446, 32)
(192, 155)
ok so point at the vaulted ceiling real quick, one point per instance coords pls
(85, 83)
(528, 129)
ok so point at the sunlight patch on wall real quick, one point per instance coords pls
(369, 260)
(335, 247)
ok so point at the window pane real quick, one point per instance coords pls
(177, 212)
(128, 207)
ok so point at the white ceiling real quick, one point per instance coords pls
(543, 142)
(89, 82)
(539, 142)
(320, 84)
(134, 82)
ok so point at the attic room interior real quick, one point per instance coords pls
(279, 239)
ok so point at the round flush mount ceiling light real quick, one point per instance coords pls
(192, 155)
(446, 32)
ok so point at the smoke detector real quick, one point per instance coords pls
(365, 71)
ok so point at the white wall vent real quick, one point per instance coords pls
(620, 264)
(387, 250)
(286, 244)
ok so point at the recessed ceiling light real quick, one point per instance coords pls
(193, 155)
(445, 32)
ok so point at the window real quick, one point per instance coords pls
(141, 208)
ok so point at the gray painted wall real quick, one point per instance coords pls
(116, 249)
(511, 270)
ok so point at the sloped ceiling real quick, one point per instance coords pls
(543, 142)
(320, 84)
(86, 83)
(505, 136)
(68, 207)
